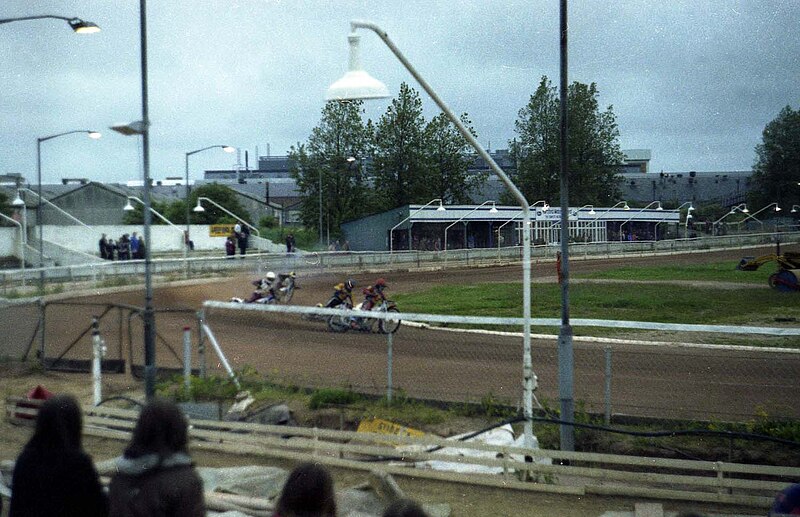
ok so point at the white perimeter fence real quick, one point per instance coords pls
(429, 358)
(17, 282)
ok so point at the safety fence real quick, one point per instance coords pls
(429, 358)
(19, 282)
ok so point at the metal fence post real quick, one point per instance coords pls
(97, 357)
(201, 344)
(389, 366)
(187, 359)
(607, 385)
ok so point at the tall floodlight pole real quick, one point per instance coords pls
(149, 314)
(76, 24)
(357, 84)
(92, 134)
(227, 149)
(565, 353)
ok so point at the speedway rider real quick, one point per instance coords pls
(374, 294)
(342, 294)
(265, 288)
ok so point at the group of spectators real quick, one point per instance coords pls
(239, 238)
(125, 248)
(155, 475)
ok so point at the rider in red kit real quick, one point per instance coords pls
(374, 294)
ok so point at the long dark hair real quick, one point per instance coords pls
(162, 429)
(308, 492)
(58, 425)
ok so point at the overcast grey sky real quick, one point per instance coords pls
(695, 82)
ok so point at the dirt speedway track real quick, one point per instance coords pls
(649, 381)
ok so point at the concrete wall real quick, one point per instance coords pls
(9, 241)
(164, 238)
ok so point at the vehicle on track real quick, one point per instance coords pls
(363, 323)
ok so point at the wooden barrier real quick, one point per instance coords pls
(588, 473)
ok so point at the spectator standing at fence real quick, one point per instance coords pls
(53, 475)
(142, 249)
(134, 246)
(290, 246)
(308, 492)
(111, 248)
(124, 247)
(230, 247)
(155, 475)
(102, 244)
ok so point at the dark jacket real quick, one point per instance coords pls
(147, 487)
(58, 483)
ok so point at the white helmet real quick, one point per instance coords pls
(270, 276)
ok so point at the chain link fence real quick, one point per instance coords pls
(294, 346)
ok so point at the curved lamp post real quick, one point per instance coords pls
(542, 203)
(493, 210)
(76, 24)
(623, 204)
(412, 214)
(754, 214)
(227, 149)
(738, 208)
(638, 212)
(129, 207)
(93, 135)
(199, 208)
(357, 84)
(19, 204)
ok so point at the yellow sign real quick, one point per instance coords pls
(220, 230)
(376, 425)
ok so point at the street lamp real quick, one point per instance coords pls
(738, 208)
(493, 210)
(545, 208)
(93, 135)
(754, 214)
(199, 208)
(795, 209)
(659, 207)
(412, 214)
(76, 24)
(53, 205)
(357, 84)
(227, 149)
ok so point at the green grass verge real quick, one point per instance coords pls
(673, 303)
(712, 272)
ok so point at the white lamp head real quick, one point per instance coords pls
(18, 202)
(626, 207)
(228, 148)
(82, 26)
(199, 207)
(745, 210)
(592, 212)
(356, 84)
(777, 208)
(493, 210)
(128, 207)
(659, 207)
(441, 207)
(545, 207)
(94, 135)
(689, 215)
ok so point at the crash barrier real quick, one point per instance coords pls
(476, 462)
(427, 358)
(18, 282)
(70, 340)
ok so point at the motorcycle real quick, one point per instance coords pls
(343, 323)
(283, 291)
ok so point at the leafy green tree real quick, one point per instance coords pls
(401, 167)
(776, 172)
(331, 166)
(449, 156)
(221, 195)
(175, 211)
(594, 152)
